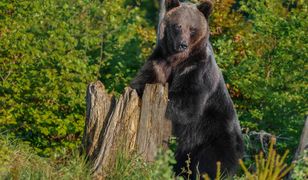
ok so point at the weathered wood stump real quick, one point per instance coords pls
(127, 125)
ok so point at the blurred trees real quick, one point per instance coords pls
(264, 65)
(127, 41)
(51, 50)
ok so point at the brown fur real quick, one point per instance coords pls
(202, 113)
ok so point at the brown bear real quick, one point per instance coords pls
(203, 117)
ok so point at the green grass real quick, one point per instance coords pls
(19, 161)
(129, 167)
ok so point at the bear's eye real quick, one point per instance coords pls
(177, 27)
(193, 31)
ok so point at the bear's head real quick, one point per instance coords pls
(184, 26)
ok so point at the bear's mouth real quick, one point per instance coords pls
(180, 47)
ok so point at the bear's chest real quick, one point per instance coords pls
(187, 77)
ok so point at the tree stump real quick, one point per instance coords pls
(154, 129)
(127, 124)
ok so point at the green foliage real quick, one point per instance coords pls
(127, 41)
(50, 51)
(300, 171)
(267, 168)
(132, 166)
(162, 168)
(19, 161)
(264, 67)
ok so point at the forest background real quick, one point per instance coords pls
(51, 50)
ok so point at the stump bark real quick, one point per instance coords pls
(128, 125)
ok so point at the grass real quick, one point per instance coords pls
(19, 161)
(129, 167)
(267, 168)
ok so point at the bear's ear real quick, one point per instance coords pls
(206, 7)
(170, 4)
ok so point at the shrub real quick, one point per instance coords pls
(132, 166)
(271, 167)
(300, 171)
(49, 51)
(263, 62)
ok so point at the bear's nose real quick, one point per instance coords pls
(183, 45)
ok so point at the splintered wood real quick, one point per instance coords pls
(154, 129)
(126, 125)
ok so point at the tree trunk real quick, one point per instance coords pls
(303, 143)
(126, 125)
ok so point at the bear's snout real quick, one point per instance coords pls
(181, 46)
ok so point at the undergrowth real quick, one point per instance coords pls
(300, 171)
(128, 167)
(19, 161)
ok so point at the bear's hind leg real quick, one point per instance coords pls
(206, 159)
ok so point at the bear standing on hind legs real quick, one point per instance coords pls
(203, 117)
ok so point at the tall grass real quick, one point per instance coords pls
(271, 167)
(19, 161)
(131, 167)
